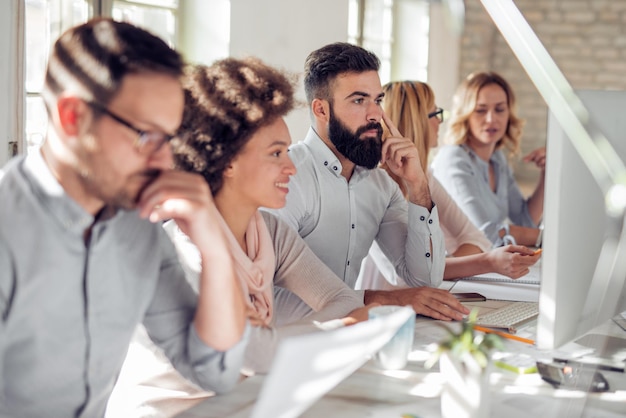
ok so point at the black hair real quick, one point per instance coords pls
(323, 65)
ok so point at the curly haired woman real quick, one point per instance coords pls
(233, 133)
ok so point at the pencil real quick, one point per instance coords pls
(504, 334)
(537, 251)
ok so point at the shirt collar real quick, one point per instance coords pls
(326, 159)
(68, 213)
(495, 156)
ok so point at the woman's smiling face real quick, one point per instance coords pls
(260, 172)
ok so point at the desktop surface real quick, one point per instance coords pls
(415, 391)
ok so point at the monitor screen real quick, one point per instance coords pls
(575, 223)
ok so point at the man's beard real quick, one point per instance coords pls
(100, 181)
(365, 152)
(123, 198)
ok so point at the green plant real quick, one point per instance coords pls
(467, 342)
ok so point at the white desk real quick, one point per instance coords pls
(370, 392)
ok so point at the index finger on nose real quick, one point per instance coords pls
(392, 128)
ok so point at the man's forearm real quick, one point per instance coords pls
(377, 296)
(418, 193)
(221, 314)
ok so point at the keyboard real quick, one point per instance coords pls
(509, 317)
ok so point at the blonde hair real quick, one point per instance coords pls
(407, 104)
(464, 104)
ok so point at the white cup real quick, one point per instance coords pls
(394, 354)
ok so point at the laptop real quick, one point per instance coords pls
(308, 366)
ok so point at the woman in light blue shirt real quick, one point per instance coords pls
(474, 168)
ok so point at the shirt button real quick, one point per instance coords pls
(352, 226)
(427, 255)
(422, 218)
(348, 262)
(335, 167)
(430, 221)
(325, 162)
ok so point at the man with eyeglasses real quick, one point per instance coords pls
(83, 258)
(341, 202)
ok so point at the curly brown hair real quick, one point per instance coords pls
(225, 104)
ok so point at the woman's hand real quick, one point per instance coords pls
(538, 157)
(359, 314)
(512, 260)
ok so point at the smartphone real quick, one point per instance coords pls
(469, 297)
(573, 377)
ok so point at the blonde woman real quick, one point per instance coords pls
(410, 105)
(474, 168)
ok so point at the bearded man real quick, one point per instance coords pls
(341, 202)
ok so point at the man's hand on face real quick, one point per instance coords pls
(221, 313)
(427, 301)
(185, 198)
(402, 158)
(401, 154)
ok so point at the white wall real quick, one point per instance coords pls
(283, 33)
(443, 56)
(410, 44)
(204, 23)
(11, 78)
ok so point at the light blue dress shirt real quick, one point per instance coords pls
(340, 219)
(465, 176)
(68, 309)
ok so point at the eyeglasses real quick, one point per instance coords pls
(438, 113)
(147, 142)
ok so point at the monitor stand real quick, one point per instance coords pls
(606, 346)
(609, 344)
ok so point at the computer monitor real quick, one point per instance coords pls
(575, 223)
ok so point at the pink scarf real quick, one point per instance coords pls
(256, 268)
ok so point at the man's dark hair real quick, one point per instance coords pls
(225, 104)
(323, 65)
(92, 59)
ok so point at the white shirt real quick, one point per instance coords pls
(378, 273)
(340, 219)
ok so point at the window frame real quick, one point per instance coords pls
(33, 117)
(377, 26)
(11, 79)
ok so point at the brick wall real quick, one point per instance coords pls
(586, 38)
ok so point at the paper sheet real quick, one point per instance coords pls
(500, 290)
(533, 277)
